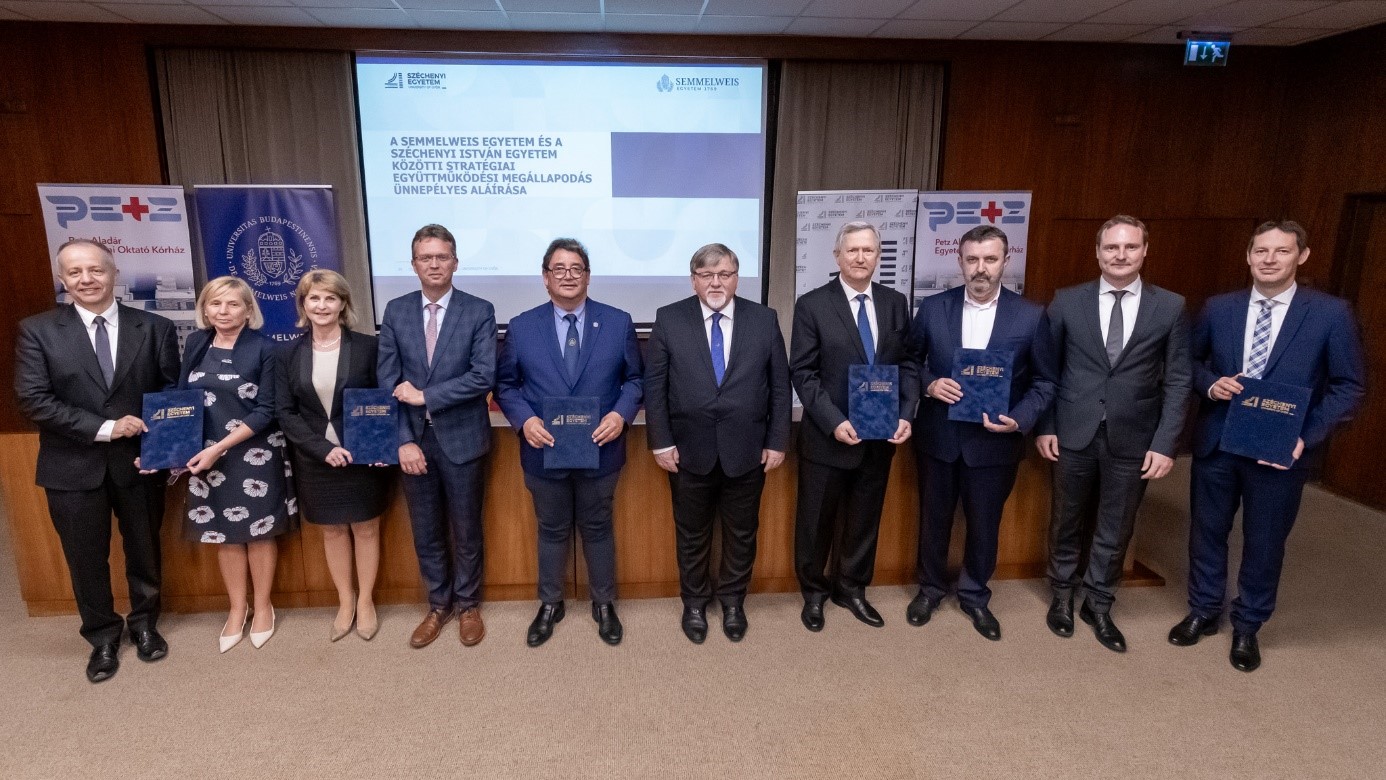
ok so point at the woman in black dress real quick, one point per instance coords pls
(344, 497)
(238, 497)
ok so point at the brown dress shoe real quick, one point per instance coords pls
(428, 630)
(470, 629)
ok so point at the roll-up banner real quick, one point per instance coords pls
(822, 213)
(146, 229)
(945, 216)
(269, 236)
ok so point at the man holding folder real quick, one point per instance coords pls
(1286, 334)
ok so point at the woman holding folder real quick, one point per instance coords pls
(346, 498)
(238, 497)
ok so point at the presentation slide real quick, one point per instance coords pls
(642, 161)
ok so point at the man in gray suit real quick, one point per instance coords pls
(1120, 349)
(717, 402)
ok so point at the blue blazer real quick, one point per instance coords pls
(456, 385)
(1318, 347)
(531, 369)
(254, 357)
(936, 335)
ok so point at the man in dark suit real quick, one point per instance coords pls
(1280, 332)
(571, 346)
(438, 353)
(717, 403)
(81, 372)
(974, 460)
(1121, 350)
(850, 320)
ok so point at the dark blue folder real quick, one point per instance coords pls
(873, 400)
(174, 420)
(571, 421)
(1265, 420)
(985, 377)
(370, 429)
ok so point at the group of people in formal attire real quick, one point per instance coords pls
(1102, 378)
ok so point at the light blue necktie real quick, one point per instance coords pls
(719, 360)
(1260, 341)
(864, 328)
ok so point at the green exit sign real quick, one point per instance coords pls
(1206, 54)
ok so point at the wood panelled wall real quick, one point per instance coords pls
(1092, 129)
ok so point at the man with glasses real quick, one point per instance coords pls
(568, 347)
(438, 355)
(718, 408)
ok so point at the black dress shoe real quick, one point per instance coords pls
(694, 624)
(1191, 629)
(149, 645)
(104, 662)
(812, 615)
(986, 623)
(608, 625)
(1060, 617)
(734, 621)
(861, 609)
(1102, 626)
(921, 608)
(1246, 652)
(542, 628)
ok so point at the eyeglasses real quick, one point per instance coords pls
(566, 272)
(722, 276)
(430, 259)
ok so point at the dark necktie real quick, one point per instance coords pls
(864, 329)
(103, 351)
(1260, 341)
(1116, 324)
(571, 347)
(719, 360)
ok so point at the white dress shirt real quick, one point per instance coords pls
(870, 309)
(1277, 313)
(1130, 304)
(112, 330)
(442, 309)
(978, 319)
(728, 315)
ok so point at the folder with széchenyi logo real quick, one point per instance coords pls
(985, 378)
(174, 420)
(370, 425)
(1265, 420)
(571, 421)
(873, 400)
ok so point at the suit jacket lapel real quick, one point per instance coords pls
(591, 333)
(840, 305)
(737, 346)
(953, 307)
(343, 371)
(1294, 317)
(80, 345)
(696, 334)
(130, 340)
(1145, 312)
(1090, 312)
(304, 367)
(450, 319)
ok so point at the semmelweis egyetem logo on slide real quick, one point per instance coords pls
(271, 254)
(697, 83)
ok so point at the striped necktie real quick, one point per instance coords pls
(1260, 341)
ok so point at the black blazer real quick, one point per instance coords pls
(823, 344)
(684, 406)
(296, 401)
(60, 389)
(1144, 396)
(253, 358)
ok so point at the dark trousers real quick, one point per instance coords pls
(699, 501)
(585, 502)
(82, 519)
(1269, 499)
(445, 515)
(856, 495)
(1119, 488)
(984, 490)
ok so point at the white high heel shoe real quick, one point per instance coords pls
(259, 638)
(227, 642)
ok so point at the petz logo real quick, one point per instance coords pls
(971, 212)
(113, 208)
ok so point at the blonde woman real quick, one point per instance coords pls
(342, 495)
(238, 496)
